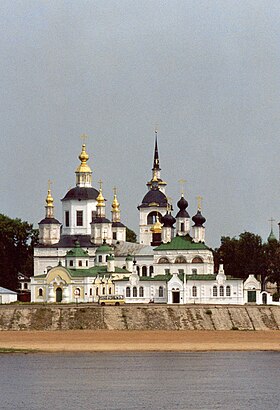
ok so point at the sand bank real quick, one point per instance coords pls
(104, 340)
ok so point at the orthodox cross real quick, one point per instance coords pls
(49, 184)
(169, 203)
(84, 137)
(100, 184)
(115, 190)
(199, 201)
(182, 186)
(271, 220)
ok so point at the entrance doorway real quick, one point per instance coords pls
(264, 298)
(252, 296)
(58, 295)
(175, 297)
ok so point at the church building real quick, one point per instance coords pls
(87, 256)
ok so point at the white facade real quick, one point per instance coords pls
(74, 207)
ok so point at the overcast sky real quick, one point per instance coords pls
(207, 73)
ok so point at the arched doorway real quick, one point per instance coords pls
(264, 298)
(58, 295)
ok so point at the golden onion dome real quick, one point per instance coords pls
(115, 203)
(157, 227)
(49, 199)
(100, 199)
(83, 157)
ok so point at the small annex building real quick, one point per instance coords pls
(7, 296)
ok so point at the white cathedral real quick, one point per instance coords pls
(87, 256)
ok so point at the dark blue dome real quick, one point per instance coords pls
(198, 219)
(154, 197)
(168, 220)
(81, 193)
(182, 205)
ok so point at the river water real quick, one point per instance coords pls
(99, 381)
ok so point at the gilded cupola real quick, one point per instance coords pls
(115, 208)
(157, 226)
(100, 199)
(83, 171)
(83, 157)
(49, 202)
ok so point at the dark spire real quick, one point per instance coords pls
(156, 157)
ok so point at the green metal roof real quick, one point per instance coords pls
(183, 243)
(104, 248)
(77, 252)
(94, 271)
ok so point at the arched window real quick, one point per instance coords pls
(152, 217)
(138, 270)
(96, 292)
(228, 291)
(103, 291)
(141, 292)
(151, 269)
(194, 291)
(77, 291)
(40, 292)
(160, 292)
(215, 291)
(222, 291)
(197, 259)
(110, 291)
(144, 270)
(127, 292)
(100, 258)
(180, 259)
(90, 292)
(80, 263)
(163, 260)
(134, 291)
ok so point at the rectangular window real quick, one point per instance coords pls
(180, 271)
(93, 215)
(167, 271)
(71, 263)
(114, 235)
(182, 227)
(79, 221)
(194, 271)
(67, 219)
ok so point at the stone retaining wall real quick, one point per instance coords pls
(146, 317)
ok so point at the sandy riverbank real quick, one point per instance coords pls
(101, 341)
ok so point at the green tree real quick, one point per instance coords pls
(130, 235)
(17, 239)
(243, 256)
(272, 263)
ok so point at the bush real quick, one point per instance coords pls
(275, 297)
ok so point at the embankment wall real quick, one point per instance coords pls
(146, 317)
